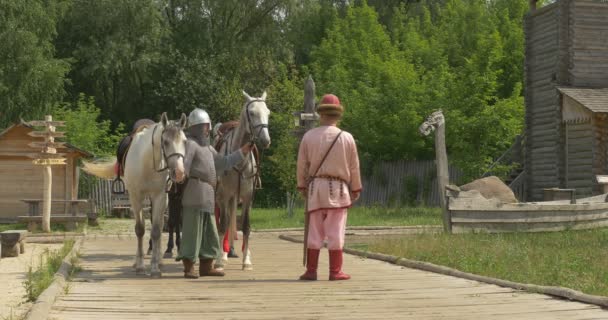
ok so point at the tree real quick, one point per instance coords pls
(113, 51)
(377, 85)
(31, 78)
(85, 128)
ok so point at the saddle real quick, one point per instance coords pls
(118, 185)
(224, 129)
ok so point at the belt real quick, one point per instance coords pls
(330, 178)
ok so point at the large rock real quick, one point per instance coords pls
(491, 187)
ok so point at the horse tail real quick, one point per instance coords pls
(105, 170)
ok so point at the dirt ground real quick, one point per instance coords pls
(12, 275)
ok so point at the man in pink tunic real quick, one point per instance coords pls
(329, 179)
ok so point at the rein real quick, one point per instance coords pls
(253, 137)
(261, 126)
(162, 151)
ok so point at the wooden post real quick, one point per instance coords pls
(532, 5)
(307, 119)
(47, 157)
(443, 177)
(436, 122)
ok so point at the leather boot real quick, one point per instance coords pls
(206, 269)
(335, 266)
(189, 272)
(312, 261)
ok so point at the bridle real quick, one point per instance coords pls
(162, 151)
(252, 128)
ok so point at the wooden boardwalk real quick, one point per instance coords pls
(109, 289)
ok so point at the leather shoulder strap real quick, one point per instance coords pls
(326, 154)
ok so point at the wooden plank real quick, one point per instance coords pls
(43, 134)
(108, 289)
(43, 123)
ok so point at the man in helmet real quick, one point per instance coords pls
(328, 177)
(202, 164)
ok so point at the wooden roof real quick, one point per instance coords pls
(594, 99)
(68, 147)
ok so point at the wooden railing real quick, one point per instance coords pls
(519, 187)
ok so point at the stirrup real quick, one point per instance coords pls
(118, 186)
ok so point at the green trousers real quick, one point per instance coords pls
(199, 235)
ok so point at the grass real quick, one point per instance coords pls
(278, 218)
(358, 216)
(38, 280)
(55, 227)
(13, 226)
(572, 259)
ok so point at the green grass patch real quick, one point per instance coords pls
(572, 259)
(55, 227)
(278, 218)
(38, 280)
(13, 226)
(358, 216)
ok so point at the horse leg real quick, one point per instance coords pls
(150, 241)
(226, 209)
(233, 234)
(247, 265)
(169, 251)
(140, 230)
(178, 235)
(158, 208)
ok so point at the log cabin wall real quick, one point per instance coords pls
(580, 157)
(600, 149)
(566, 46)
(21, 179)
(542, 113)
(589, 43)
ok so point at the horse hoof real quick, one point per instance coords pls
(155, 274)
(247, 267)
(140, 271)
(168, 255)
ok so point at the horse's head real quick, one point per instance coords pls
(173, 146)
(256, 114)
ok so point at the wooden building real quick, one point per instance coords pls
(566, 75)
(21, 179)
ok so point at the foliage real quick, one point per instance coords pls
(38, 280)
(572, 259)
(391, 62)
(31, 77)
(85, 130)
(113, 52)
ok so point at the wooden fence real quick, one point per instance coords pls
(99, 190)
(397, 183)
(403, 183)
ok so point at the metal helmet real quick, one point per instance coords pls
(198, 116)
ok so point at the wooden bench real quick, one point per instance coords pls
(121, 203)
(13, 243)
(70, 221)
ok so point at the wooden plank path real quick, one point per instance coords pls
(109, 289)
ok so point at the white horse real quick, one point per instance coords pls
(156, 155)
(238, 183)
